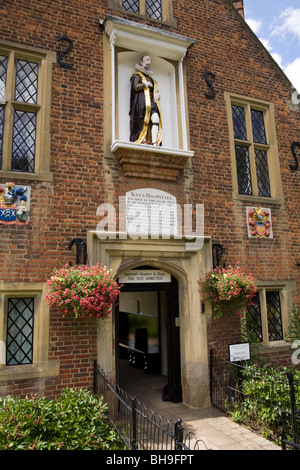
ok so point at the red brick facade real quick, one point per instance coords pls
(83, 178)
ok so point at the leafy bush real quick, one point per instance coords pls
(264, 399)
(76, 421)
(293, 332)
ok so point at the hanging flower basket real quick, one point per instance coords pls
(82, 291)
(228, 289)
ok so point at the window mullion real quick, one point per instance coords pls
(7, 137)
(251, 150)
(8, 113)
(10, 77)
(143, 7)
(253, 170)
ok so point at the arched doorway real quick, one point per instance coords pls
(147, 327)
(174, 256)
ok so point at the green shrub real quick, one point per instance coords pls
(265, 400)
(76, 421)
(293, 332)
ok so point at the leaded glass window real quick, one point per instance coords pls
(20, 316)
(26, 82)
(274, 316)
(153, 9)
(258, 126)
(264, 317)
(253, 319)
(1, 131)
(150, 8)
(262, 173)
(25, 110)
(243, 170)
(23, 151)
(131, 5)
(251, 150)
(239, 122)
(3, 68)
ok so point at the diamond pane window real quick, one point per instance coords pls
(274, 316)
(153, 9)
(26, 81)
(253, 319)
(243, 170)
(3, 68)
(262, 173)
(25, 98)
(250, 124)
(239, 122)
(258, 127)
(23, 151)
(1, 131)
(20, 331)
(131, 5)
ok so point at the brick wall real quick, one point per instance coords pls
(239, 6)
(83, 178)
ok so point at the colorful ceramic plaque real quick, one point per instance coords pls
(14, 204)
(259, 222)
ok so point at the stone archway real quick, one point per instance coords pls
(121, 254)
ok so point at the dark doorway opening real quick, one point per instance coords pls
(147, 332)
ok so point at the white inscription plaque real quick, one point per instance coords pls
(151, 212)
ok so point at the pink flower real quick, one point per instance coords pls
(82, 291)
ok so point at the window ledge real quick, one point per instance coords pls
(45, 176)
(276, 346)
(146, 161)
(29, 371)
(258, 200)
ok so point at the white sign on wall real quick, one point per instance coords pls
(144, 275)
(151, 212)
(239, 352)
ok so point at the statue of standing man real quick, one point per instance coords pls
(145, 114)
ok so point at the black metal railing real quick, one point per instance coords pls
(265, 399)
(141, 428)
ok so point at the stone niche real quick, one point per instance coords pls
(129, 41)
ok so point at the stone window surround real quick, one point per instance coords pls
(121, 253)
(285, 289)
(41, 365)
(45, 59)
(273, 155)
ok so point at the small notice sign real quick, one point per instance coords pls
(148, 275)
(239, 352)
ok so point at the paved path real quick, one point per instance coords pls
(217, 431)
(221, 433)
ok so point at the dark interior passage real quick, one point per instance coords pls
(148, 333)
